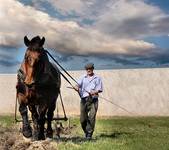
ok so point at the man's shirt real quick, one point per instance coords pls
(88, 84)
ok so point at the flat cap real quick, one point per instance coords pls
(89, 66)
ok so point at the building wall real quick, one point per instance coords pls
(142, 92)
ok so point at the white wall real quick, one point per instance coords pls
(141, 91)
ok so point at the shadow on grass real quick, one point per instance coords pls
(113, 135)
(80, 139)
(75, 139)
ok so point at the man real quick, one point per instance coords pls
(89, 86)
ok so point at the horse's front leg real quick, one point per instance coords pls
(50, 114)
(35, 117)
(38, 117)
(41, 121)
(26, 128)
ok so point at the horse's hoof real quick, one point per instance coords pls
(41, 137)
(27, 131)
(37, 137)
(49, 134)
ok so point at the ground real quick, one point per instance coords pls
(112, 133)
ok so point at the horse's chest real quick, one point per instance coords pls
(38, 95)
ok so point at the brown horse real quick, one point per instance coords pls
(38, 87)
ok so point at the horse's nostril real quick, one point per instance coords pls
(30, 84)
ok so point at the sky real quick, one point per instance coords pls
(113, 34)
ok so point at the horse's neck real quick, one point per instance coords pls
(47, 66)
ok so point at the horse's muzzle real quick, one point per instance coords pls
(30, 85)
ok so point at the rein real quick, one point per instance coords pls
(72, 87)
(61, 68)
(64, 71)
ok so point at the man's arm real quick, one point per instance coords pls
(99, 87)
(79, 85)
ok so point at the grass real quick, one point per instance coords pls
(6, 121)
(117, 133)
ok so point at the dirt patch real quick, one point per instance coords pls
(12, 139)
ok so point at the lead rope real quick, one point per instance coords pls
(64, 71)
(61, 67)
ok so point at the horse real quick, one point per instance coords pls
(38, 86)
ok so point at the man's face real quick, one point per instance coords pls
(89, 71)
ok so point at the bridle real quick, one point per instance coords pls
(32, 65)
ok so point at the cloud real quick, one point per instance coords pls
(8, 59)
(66, 37)
(8, 63)
(108, 32)
(133, 19)
(116, 61)
(160, 57)
(121, 19)
(68, 7)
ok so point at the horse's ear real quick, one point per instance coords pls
(42, 41)
(26, 41)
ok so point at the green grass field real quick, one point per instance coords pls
(116, 133)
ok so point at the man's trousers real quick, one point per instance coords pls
(88, 110)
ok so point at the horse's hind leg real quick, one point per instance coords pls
(50, 115)
(26, 128)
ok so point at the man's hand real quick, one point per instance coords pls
(94, 93)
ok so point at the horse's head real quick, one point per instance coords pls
(33, 60)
